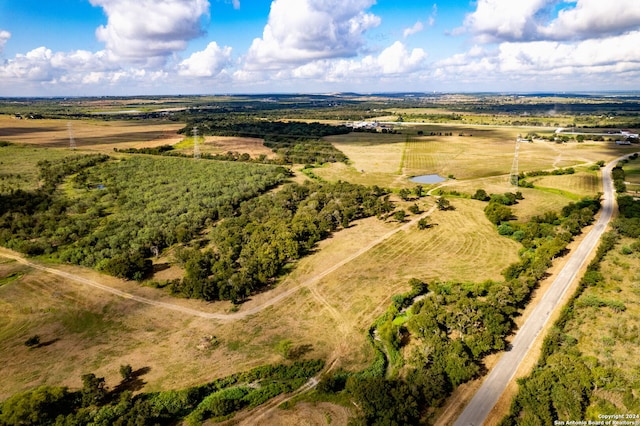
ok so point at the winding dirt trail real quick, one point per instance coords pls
(225, 317)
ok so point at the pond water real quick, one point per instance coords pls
(428, 179)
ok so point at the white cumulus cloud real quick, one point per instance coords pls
(548, 64)
(299, 31)
(4, 37)
(506, 19)
(594, 18)
(206, 63)
(535, 20)
(147, 31)
(416, 28)
(396, 60)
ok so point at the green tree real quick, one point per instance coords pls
(39, 406)
(414, 209)
(481, 195)
(400, 215)
(498, 213)
(93, 390)
(125, 372)
(444, 204)
(423, 223)
(404, 194)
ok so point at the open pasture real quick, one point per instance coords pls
(329, 313)
(19, 165)
(216, 145)
(469, 152)
(84, 330)
(95, 135)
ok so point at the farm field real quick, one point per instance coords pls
(482, 153)
(90, 134)
(329, 299)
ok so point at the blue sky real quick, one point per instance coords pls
(137, 47)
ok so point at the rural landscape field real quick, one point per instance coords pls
(328, 259)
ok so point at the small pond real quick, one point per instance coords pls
(428, 179)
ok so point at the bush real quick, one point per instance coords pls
(32, 341)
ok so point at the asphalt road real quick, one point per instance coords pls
(476, 412)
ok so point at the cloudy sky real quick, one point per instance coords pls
(138, 47)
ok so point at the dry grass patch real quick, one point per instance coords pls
(223, 144)
(95, 135)
(372, 152)
(537, 202)
(307, 414)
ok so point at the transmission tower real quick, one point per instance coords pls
(196, 145)
(72, 139)
(513, 176)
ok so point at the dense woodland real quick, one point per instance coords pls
(249, 250)
(114, 214)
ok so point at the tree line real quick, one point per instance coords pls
(293, 142)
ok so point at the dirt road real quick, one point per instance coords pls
(476, 412)
(212, 315)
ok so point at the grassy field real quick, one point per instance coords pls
(84, 330)
(470, 153)
(632, 176)
(94, 135)
(19, 165)
(223, 144)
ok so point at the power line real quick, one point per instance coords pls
(513, 176)
(196, 145)
(72, 139)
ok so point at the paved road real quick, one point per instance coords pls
(476, 412)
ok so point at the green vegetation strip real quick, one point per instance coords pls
(95, 404)
(11, 277)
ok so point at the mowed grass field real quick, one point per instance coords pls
(86, 330)
(470, 153)
(632, 176)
